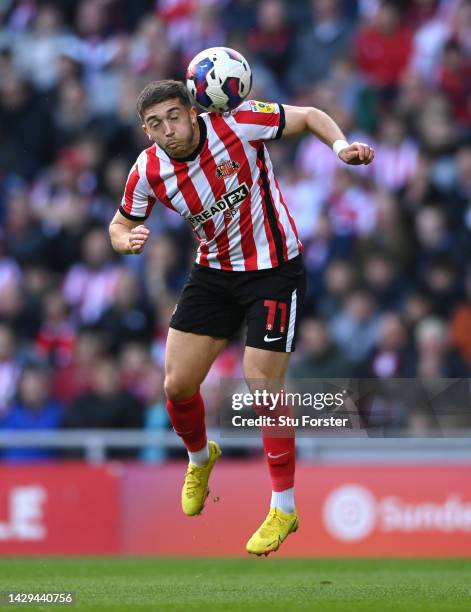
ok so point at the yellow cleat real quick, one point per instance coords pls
(272, 532)
(195, 488)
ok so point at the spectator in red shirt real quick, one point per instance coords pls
(383, 48)
(454, 79)
(56, 336)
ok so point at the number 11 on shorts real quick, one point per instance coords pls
(272, 306)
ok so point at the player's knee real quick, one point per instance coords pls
(177, 389)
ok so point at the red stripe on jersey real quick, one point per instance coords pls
(150, 205)
(265, 119)
(153, 177)
(218, 187)
(236, 151)
(129, 190)
(291, 220)
(192, 199)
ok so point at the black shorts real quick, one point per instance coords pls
(215, 302)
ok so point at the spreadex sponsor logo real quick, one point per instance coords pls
(226, 204)
(351, 513)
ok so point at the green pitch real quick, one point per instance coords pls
(245, 584)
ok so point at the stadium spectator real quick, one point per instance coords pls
(326, 38)
(355, 328)
(384, 280)
(397, 156)
(37, 50)
(270, 41)
(89, 286)
(129, 317)
(391, 356)
(338, 282)
(321, 357)
(435, 357)
(34, 409)
(26, 125)
(106, 406)
(454, 79)
(75, 378)
(351, 206)
(56, 336)
(383, 47)
(136, 368)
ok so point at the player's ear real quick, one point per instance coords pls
(193, 115)
(146, 131)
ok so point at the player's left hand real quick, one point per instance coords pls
(357, 154)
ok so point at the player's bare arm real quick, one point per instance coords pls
(301, 119)
(128, 237)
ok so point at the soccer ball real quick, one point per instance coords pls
(219, 79)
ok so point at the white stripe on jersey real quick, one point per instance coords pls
(292, 321)
(286, 219)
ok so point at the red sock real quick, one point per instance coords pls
(279, 446)
(281, 457)
(187, 418)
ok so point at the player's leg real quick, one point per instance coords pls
(187, 361)
(199, 329)
(266, 370)
(272, 321)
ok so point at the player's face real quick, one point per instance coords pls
(173, 127)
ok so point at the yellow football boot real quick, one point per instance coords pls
(272, 532)
(195, 488)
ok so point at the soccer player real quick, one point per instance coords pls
(214, 170)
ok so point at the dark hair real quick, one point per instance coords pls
(160, 91)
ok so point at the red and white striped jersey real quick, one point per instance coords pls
(227, 190)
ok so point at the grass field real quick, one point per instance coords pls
(246, 584)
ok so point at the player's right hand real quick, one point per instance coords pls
(138, 238)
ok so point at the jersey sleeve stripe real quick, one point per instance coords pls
(282, 122)
(236, 151)
(124, 212)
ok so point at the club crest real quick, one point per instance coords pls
(227, 168)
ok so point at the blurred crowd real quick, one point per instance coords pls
(387, 247)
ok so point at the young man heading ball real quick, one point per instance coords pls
(215, 170)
